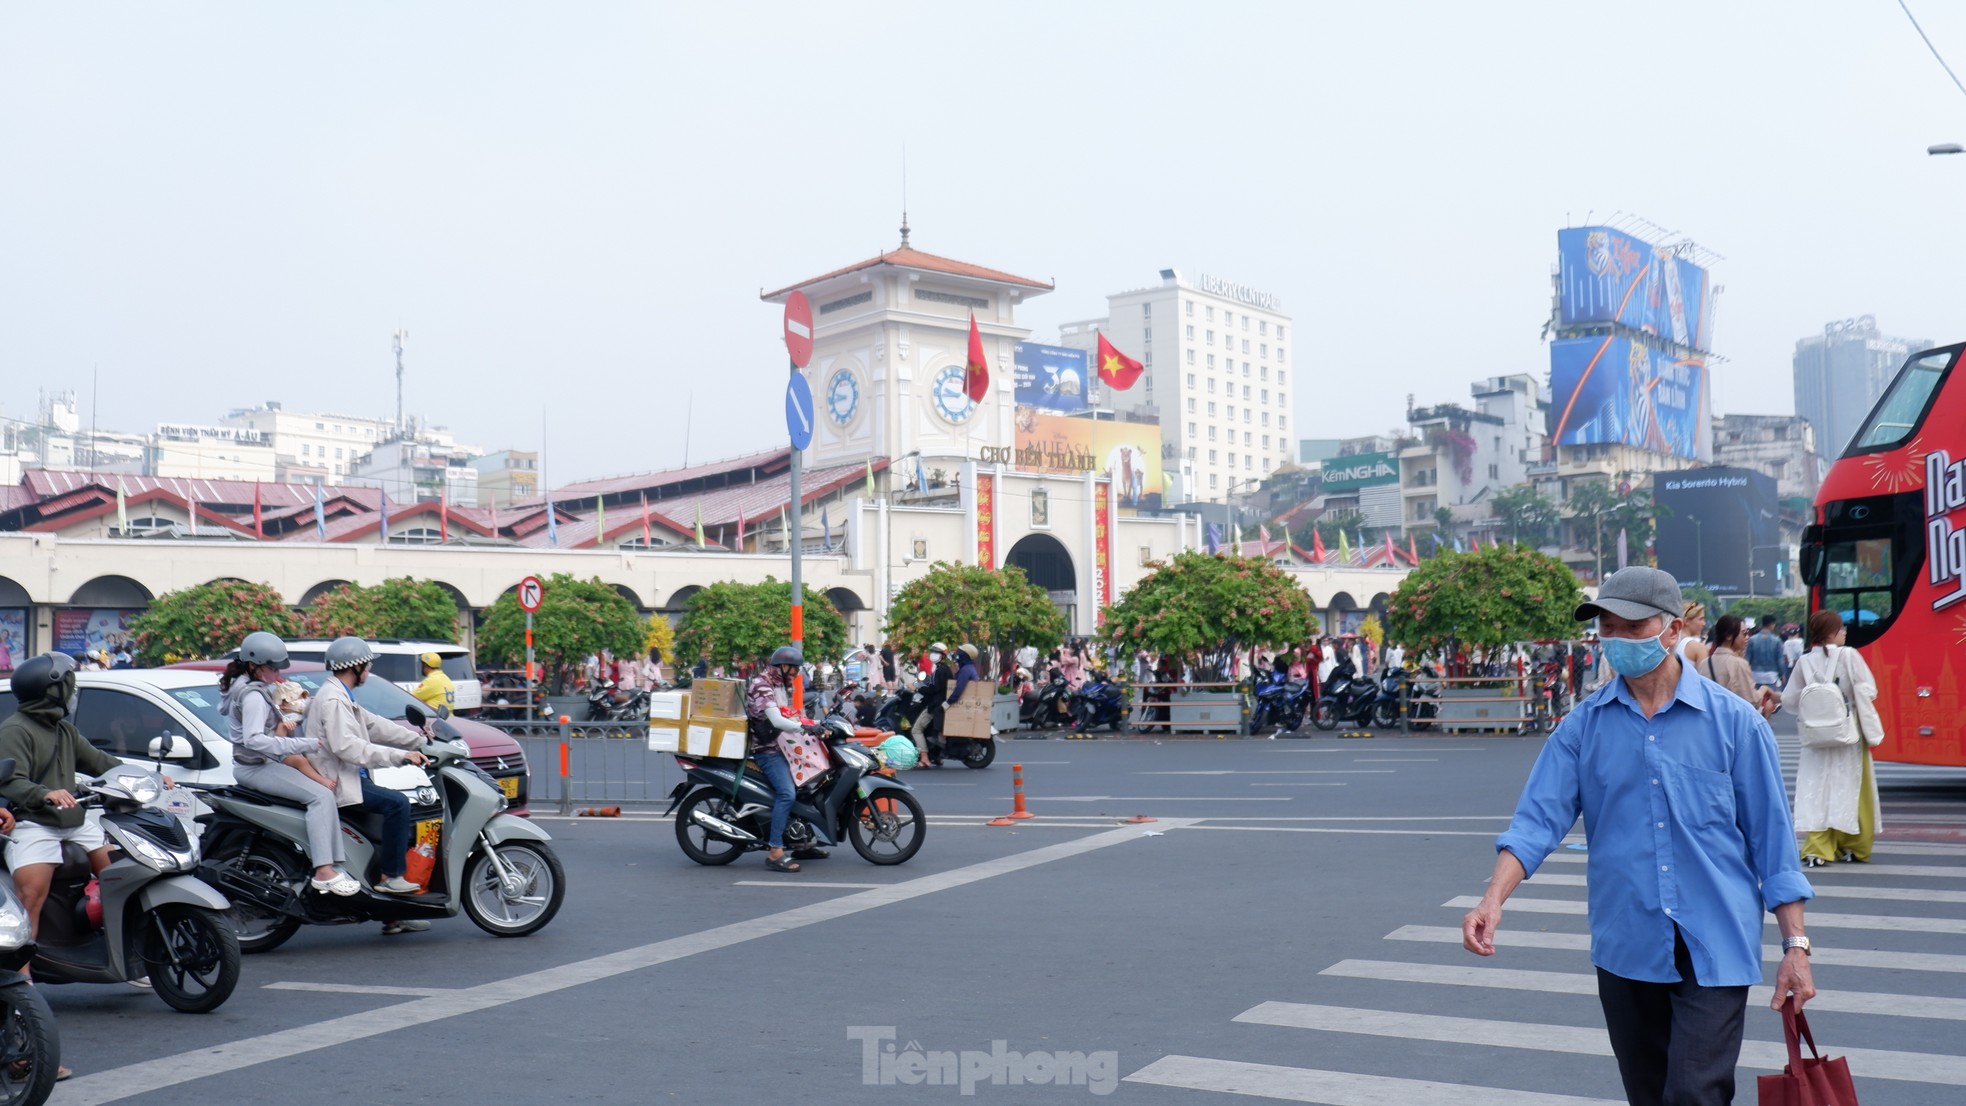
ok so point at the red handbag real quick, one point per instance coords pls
(1817, 1081)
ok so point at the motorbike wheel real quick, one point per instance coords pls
(887, 826)
(539, 887)
(30, 1047)
(1258, 718)
(258, 928)
(1293, 723)
(192, 955)
(980, 754)
(1326, 715)
(1385, 716)
(697, 843)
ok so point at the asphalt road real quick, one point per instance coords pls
(1284, 930)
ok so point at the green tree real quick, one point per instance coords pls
(198, 623)
(992, 608)
(575, 618)
(1527, 515)
(403, 608)
(1483, 600)
(1196, 603)
(1638, 518)
(747, 621)
(1589, 505)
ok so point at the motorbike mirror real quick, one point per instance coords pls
(170, 746)
(414, 715)
(443, 711)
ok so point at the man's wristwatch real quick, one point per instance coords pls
(1796, 943)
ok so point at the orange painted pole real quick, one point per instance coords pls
(1017, 809)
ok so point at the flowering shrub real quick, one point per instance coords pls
(208, 620)
(1197, 603)
(1484, 600)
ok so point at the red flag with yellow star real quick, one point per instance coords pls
(976, 371)
(1115, 368)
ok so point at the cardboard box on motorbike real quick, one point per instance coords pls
(722, 738)
(716, 699)
(969, 717)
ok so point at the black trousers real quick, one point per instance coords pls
(1677, 1043)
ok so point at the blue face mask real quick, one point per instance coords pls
(1634, 657)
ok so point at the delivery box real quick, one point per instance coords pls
(971, 716)
(671, 705)
(712, 698)
(666, 737)
(721, 738)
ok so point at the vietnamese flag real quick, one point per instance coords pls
(976, 371)
(1115, 368)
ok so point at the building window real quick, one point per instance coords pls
(1211, 368)
(1191, 357)
(1191, 430)
(1266, 437)
(1245, 345)
(1245, 462)
(1266, 418)
(1279, 338)
(1494, 472)
(337, 456)
(1280, 380)
(419, 535)
(1265, 394)
(1283, 423)
(1191, 410)
(1245, 391)
(1146, 310)
(1211, 408)
(1262, 326)
(304, 452)
(1245, 416)
(1231, 411)
(1190, 306)
(1228, 318)
(1280, 357)
(1213, 481)
(323, 426)
(1245, 324)
(1211, 431)
(1264, 372)
(1191, 378)
(1211, 391)
(1191, 332)
(1263, 349)
(1282, 399)
(1211, 337)
(1209, 313)
(1211, 456)
(1147, 335)
(1246, 439)
(1232, 458)
(1147, 360)
(1191, 453)
(1245, 370)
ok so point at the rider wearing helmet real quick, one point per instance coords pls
(927, 731)
(769, 712)
(267, 756)
(48, 750)
(352, 738)
(436, 690)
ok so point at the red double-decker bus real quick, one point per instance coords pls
(1887, 551)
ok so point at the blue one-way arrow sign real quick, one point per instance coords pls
(798, 411)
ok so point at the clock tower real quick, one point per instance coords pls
(890, 338)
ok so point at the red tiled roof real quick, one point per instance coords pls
(909, 258)
(47, 483)
(615, 485)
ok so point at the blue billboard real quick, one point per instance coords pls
(1616, 391)
(1607, 276)
(1051, 378)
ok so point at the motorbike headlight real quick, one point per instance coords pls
(857, 757)
(148, 852)
(146, 790)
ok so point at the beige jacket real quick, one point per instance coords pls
(352, 739)
(1730, 670)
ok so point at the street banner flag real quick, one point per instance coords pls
(1622, 552)
(825, 529)
(385, 518)
(122, 509)
(700, 543)
(648, 539)
(1361, 544)
(191, 505)
(870, 480)
(1474, 543)
(320, 510)
(740, 529)
(976, 371)
(1263, 535)
(1412, 550)
(1344, 549)
(1392, 557)
(1212, 538)
(259, 527)
(1119, 371)
(600, 520)
(1317, 546)
(444, 513)
(921, 475)
(552, 525)
(1238, 541)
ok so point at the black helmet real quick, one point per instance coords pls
(48, 678)
(261, 647)
(788, 654)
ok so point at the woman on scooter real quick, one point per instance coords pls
(267, 757)
(769, 712)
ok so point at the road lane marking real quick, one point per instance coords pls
(148, 1076)
(1349, 829)
(1271, 772)
(1833, 921)
(1578, 983)
(1823, 890)
(1396, 760)
(357, 989)
(1354, 749)
(1156, 799)
(1911, 1067)
(803, 883)
(1581, 942)
(1304, 783)
(1334, 1088)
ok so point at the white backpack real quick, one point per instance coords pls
(1823, 711)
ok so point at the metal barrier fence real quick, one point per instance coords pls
(593, 763)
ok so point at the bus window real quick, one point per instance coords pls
(1903, 406)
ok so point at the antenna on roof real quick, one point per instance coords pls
(689, 414)
(904, 195)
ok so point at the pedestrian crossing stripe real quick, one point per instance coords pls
(1823, 890)
(1334, 1088)
(1579, 983)
(1826, 921)
(1581, 942)
(1911, 1067)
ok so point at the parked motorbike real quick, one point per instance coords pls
(607, 703)
(1280, 705)
(150, 915)
(1051, 706)
(495, 867)
(1098, 702)
(723, 807)
(30, 1045)
(1421, 691)
(1345, 699)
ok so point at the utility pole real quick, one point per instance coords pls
(402, 435)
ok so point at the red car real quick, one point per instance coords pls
(491, 749)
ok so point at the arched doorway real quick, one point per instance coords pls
(1342, 614)
(1047, 564)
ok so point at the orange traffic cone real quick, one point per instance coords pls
(1018, 809)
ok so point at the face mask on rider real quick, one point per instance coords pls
(1634, 657)
(935, 658)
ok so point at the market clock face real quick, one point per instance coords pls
(842, 396)
(952, 402)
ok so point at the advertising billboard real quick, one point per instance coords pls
(1051, 378)
(1360, 470)
(1721, 528)
(78, 629)
(1608, 276)
(1127, 452)
(1617, 391)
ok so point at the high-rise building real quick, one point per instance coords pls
(1840, 374)
(1459, 456)
(1218, 375)
(313, 441)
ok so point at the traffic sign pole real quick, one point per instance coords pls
(798, 582)
(798, 343)
(531, 591)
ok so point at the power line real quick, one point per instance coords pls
(1928, 45)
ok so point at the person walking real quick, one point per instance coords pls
(1727, 666)
(1764, 653)
(1835, 791)
(1690, 846)
(1692, 647)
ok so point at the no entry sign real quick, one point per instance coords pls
(798, 329)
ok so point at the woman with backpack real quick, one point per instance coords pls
(1830, 692)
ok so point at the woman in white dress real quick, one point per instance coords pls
(1835, 792)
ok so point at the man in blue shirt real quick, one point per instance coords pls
(1680, 789)
(1765, 655)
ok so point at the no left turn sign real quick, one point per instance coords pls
(530, 592)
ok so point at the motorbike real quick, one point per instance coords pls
(1280, 705)
(495, 867)
(30, 1044)
(1051, 706)
(1098, 702)
(723, 810)
(1345, 698)
(606, 703)
(148, 913)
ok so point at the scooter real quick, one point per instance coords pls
(1280, 705)
(150, 915)
(1420, 691)
(30, 1045)
(723, 807)
(606, 703)
(495, 867)
(1098, 702)
(1054, 703)
(1346, 698)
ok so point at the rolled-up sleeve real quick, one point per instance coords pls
(1762, 815)
(1550, 802)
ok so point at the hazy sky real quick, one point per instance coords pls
(572, 207)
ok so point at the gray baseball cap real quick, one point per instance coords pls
(1637, 593)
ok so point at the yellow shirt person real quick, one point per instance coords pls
(436, 690)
